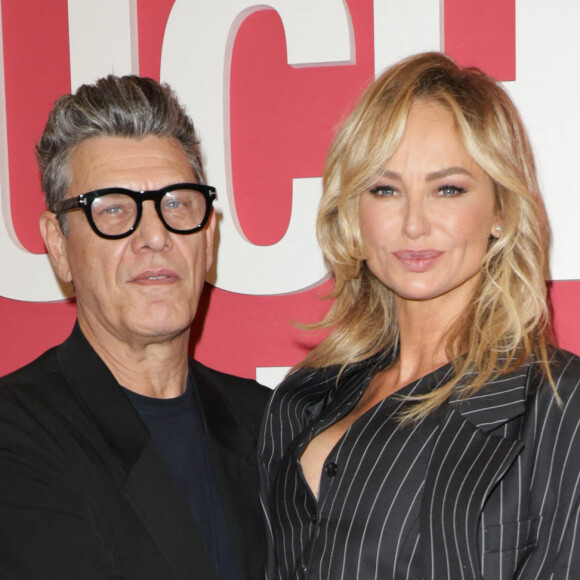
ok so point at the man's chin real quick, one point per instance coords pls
(158, 326)
(161, 332)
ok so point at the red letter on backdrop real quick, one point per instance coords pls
(482, 34)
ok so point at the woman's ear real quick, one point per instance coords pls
(55, 242)
(496, 230)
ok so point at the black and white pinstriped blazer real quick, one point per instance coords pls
(502, 489)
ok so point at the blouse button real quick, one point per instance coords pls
(331, 469)
(313, 518)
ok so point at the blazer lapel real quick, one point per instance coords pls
(233, 456)
(466, 464)
(222, 426)
(155, 497)
(148, 485)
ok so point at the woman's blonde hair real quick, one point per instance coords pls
(508, 320)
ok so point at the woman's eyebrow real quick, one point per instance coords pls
(391, 175)
(447, 172)
(434, 175)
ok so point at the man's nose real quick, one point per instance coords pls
(151, 232)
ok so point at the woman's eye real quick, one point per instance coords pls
(383, 191)
(450, 190)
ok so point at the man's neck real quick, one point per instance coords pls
(155, 369)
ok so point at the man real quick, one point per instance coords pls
(119, 456)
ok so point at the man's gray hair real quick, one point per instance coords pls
(128, 106)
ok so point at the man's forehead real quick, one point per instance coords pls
(150, 162)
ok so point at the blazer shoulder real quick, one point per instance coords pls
(34, 372)
(561, 412)
(240, 394)
(307, 379)
(39, 382)
(305, 387)
(298, 400)
(565, 369)
(240, 385)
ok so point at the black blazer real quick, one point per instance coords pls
(84, 493)
(502, 488)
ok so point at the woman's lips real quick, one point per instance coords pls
(418, 260)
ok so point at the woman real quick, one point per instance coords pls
(435, 432)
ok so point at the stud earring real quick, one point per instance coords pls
(498, 229)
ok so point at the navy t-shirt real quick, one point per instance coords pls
(178, 431)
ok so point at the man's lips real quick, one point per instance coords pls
(156, 276)
(418, 260)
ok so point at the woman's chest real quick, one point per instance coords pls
(366, 516)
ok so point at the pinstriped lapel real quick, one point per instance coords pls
(464, 467)
(466, 464)
(498, 402)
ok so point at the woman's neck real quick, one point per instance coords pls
(423, 330)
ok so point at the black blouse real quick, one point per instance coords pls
(365, 523)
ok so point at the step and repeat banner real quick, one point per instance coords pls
(267, 84)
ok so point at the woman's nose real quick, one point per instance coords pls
(415, 220)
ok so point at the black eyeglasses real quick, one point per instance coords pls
(114, 213)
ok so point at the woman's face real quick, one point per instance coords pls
(426, 223)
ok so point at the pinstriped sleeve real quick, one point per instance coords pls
(557, 472)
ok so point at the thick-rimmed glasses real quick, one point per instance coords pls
(115, 212)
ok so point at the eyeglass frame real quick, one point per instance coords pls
(85, 202)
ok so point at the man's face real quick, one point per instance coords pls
(141, 289)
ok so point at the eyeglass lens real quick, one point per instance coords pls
(115, 213)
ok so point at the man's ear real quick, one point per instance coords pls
(55, 242)
(209, 237)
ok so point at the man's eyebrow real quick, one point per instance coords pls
(434, 175)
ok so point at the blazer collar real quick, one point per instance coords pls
(120, 424)
(148, 486)
(102, 397)
(500, 401)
